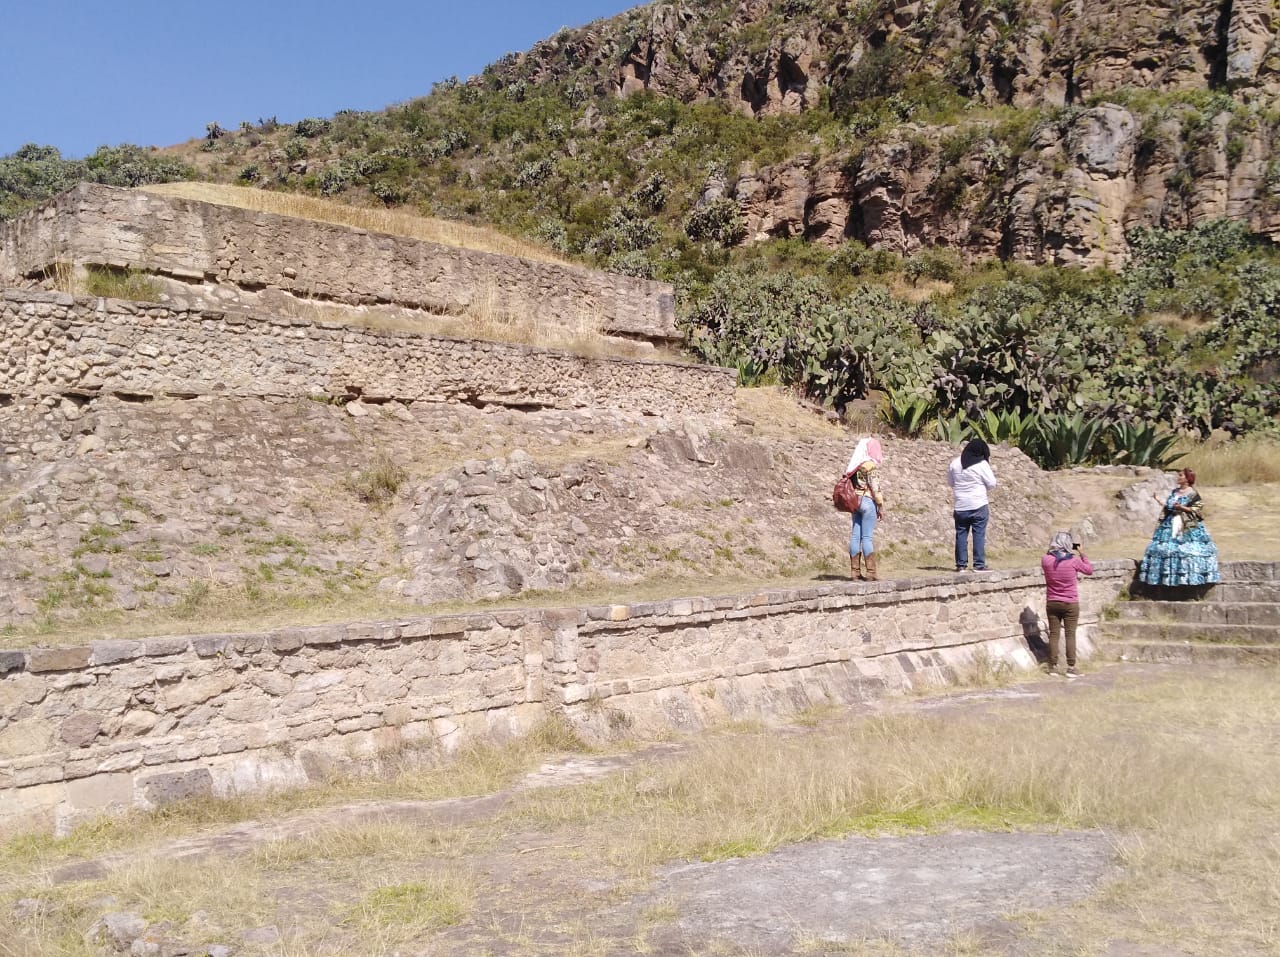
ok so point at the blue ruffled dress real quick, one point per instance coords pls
(1190, 558)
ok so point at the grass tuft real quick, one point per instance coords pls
(378, 484)
(413, 908)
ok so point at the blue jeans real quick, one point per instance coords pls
(976, 519)
(862, 537)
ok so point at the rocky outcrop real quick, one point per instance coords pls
(1069, 197)
(778, 57)
(1147, 114)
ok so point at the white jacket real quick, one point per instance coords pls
(970, 485)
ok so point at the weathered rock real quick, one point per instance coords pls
(116, 931)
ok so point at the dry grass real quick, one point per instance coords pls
(392, 223)
(486, 318)
(1242, 520)
(1183, 770)
(407, 910)
(418, 774)
(1247, 461)
(774, 413)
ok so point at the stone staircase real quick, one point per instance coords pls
(1235, 620)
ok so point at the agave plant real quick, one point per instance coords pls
(1005, 425)
(953, 431)
(1060, 440)
(907, 413)
(1143, 443)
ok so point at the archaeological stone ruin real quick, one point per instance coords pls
(153, 448)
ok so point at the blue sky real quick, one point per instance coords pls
(78, 74)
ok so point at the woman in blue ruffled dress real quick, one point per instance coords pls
(1181, 551)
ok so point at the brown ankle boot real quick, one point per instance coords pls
(855, 567)
(873, 573)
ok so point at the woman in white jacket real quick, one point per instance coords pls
(969, 476)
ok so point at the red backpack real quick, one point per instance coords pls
(845, 497)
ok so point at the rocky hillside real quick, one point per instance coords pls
(1037, 130)
(125, 515)
(1040, 131)
(1147, 113)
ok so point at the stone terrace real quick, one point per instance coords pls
(52, 343)
(118, 724)
(249, 256)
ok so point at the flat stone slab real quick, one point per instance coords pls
(916, 891)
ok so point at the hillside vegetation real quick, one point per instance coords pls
(1045, 222)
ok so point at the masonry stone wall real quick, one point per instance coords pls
(118, 724)
(51, 343)
(199, 242)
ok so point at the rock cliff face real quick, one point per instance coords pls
(1133, 114)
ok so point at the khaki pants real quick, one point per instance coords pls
(1062, 614)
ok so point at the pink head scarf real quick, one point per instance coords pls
(868, 450)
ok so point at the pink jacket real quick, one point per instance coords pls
(1060, 576)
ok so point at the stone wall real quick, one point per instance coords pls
(199, 242)
(51, 343)
(117, 724)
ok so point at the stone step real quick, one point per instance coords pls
(1249, 571)
(1193, 652)
(1183, 631)
(1245, 591)
(1211, 612)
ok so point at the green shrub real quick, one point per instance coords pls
(310, 127)
(1060, 440)
(719, 221)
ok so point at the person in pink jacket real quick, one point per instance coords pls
(1061, 565)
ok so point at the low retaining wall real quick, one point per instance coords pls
(117, 724)
(52, 343)
(198, 242)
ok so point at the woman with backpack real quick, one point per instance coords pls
(862, 470)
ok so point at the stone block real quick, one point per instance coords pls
(12, 661)
(166, 647)
(172, 786)
(211, 646)
(111, 652)
(57, 659)
(120, 762)
(196, 691)
(249, 644)
(79, 730)
(373, 631)
(324, 635)
(416, 628)
(284, 642)
(273, 682)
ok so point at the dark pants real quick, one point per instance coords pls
(975, 519)
(1062, 615)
